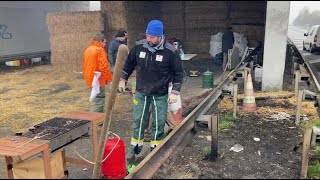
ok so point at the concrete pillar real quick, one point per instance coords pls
(275, 44)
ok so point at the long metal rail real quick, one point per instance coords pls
(175, 142)
(306, 62)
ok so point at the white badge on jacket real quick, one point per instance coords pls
(159, 58)
(142, 54)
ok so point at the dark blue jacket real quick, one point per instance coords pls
(227, 40)
(154, 70)
(113, 50)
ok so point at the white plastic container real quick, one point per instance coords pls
(175, 106)
(258, 74)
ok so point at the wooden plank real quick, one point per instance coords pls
(304, 72)
(34, 169)
(214, 136)
(47, 164)
(235, 95)
(11, 143)
(34, 151)
(204, 118)
(296, 84)
(9, 161)
(298, 108)
(94, 139)
(305, 152)
(86, 115)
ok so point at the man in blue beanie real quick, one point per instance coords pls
(157, 63)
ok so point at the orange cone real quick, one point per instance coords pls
(249, 101)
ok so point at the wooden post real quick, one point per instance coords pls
(235, 94)
(214, 136)
(251, 71)
(94, 140)
(293, 68)
(305, 152)
(47, 163)
(298, 108)
(121, 57)
(296, 84)
(245, 78)
(9, 161)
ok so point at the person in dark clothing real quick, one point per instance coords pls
(227, 43)
(126, 38)
(157, 63)
(120, 38)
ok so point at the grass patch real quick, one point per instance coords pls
(314, 169)
(313, 122)
(226, 121)
(206, 152)
(317, 149)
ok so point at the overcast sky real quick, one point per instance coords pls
(296, 6)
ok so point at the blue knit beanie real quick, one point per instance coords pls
(155, 28)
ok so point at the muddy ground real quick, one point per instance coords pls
(271, 157)
(277, 154)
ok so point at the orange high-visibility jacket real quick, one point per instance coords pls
(95, 59)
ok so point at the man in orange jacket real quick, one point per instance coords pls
(95, 61)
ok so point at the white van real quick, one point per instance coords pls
(311, 42)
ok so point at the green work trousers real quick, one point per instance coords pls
(140, 113)
(99, 101)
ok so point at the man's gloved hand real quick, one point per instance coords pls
(173, 98)
(122, 86)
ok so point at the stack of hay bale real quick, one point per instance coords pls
(70, 33)
(114, 14)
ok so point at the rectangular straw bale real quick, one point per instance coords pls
(112, 6)
(197, 47)
(244, 21)
(248, 5)
(116, 20)
(171, 33)
(74, 22)
(173, 20)
(247, 14)
(67, 49)
(208, 15)
(205, 23)
(172, 7)
(195, 34)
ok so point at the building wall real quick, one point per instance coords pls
(23, 27)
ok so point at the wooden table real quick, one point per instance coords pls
(95, 118)
(187, 57)
(24, 148)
